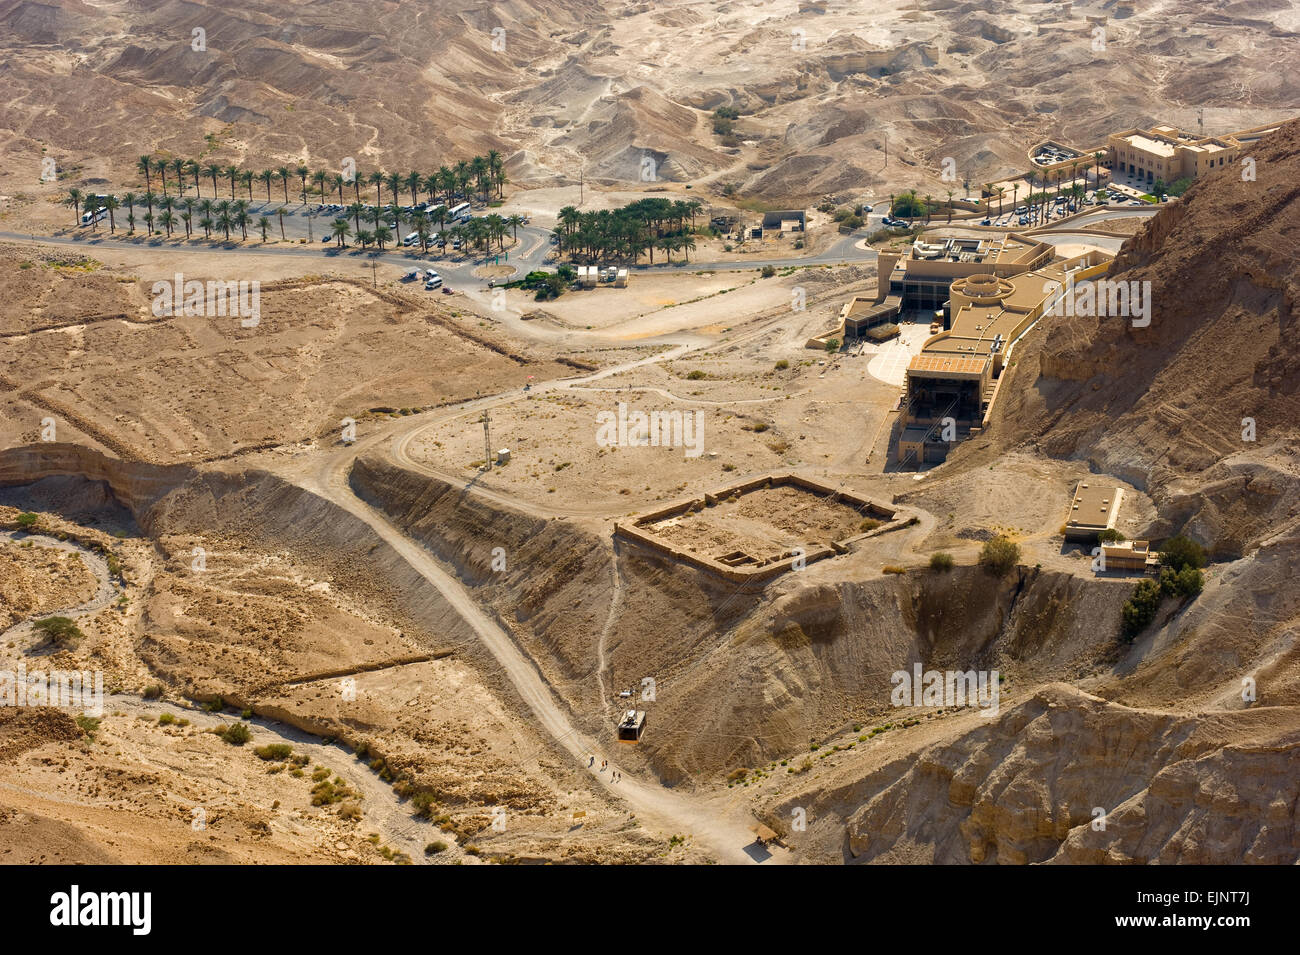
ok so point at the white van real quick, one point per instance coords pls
(411, 238)
(432, 283)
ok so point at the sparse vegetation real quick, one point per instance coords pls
(941, 562)
(236, 734)
(60, 631)
(1000, 555)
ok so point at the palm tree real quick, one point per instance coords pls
(496, 169)
(514, 222)
(246, 177)
(214, 170)
(74, 200)
(988, 191)
(179, 166)
(1096, 158)
(192, 168)
(206, 223)
(413, 182)
(340, 228)
(167, 220)
(463, 175)
(318, 179)
(478, 168)
(161, 167)
(233, 172)
(284, 174)
(376, 179)
(145, 165)
(929, 207)
(355, 210)
(206, 207)
(188, 215)
(303, 172)
(447, 179)
(665, 245)
(1031, 177)
(266, 176)
(149, 200)
(687, 242)
(224, 221)
(280, 212)
(383, 234)
(129, 199)
(338, 182)
(393, 181)
(364, 237)
(263, 223)
(949, 205)
(243, 218)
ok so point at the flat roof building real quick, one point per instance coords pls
(1094, 508)
(953, 380)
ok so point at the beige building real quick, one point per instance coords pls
(1094, 508)
(957, 372)
(1168, 153)
(1129, 556)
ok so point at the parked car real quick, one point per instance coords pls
(986, 222)
(446, 290)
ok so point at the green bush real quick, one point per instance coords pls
(832, 346)
(1140, 609)
(1180, 552)
(782, 365)
(768, 271)
(1110, 536)
(274, 751)
(60, 631)
(28, 520)
(941, 561)
(433, 848)
(236, 734)
(1000, 555)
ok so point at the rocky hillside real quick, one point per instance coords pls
(1169, 406)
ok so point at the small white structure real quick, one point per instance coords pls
(620, 281)
(503, 456)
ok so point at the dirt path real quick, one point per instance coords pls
(381, 807)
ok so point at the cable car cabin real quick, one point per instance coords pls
(632, 726)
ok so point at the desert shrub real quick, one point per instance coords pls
(166, 719)
(768, 271)
(60, 631)
(893, 569)
(236, 734)
(153, 691)
(215, 706)
(782, 365)
(832, 346)
(696, 375)
(87, 724)
(941, 561)
(274, 751)
(1180, 552)
(350, 811)
(1110, 536)
(433, 848)
(1000, 555)
(28, 520)
(868, 524)
(1140, 609)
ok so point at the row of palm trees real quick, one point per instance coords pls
(226, 215)
(623, 234)
(486, 173)
(220, 215)
(1037, 201)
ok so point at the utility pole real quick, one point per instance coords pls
(487, 440)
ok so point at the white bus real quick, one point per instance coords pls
(97, 216)
(411, 238)
(455, 212)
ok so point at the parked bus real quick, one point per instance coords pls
(455, 212)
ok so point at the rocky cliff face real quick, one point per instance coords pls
(1065, 777)
(1201, 407)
